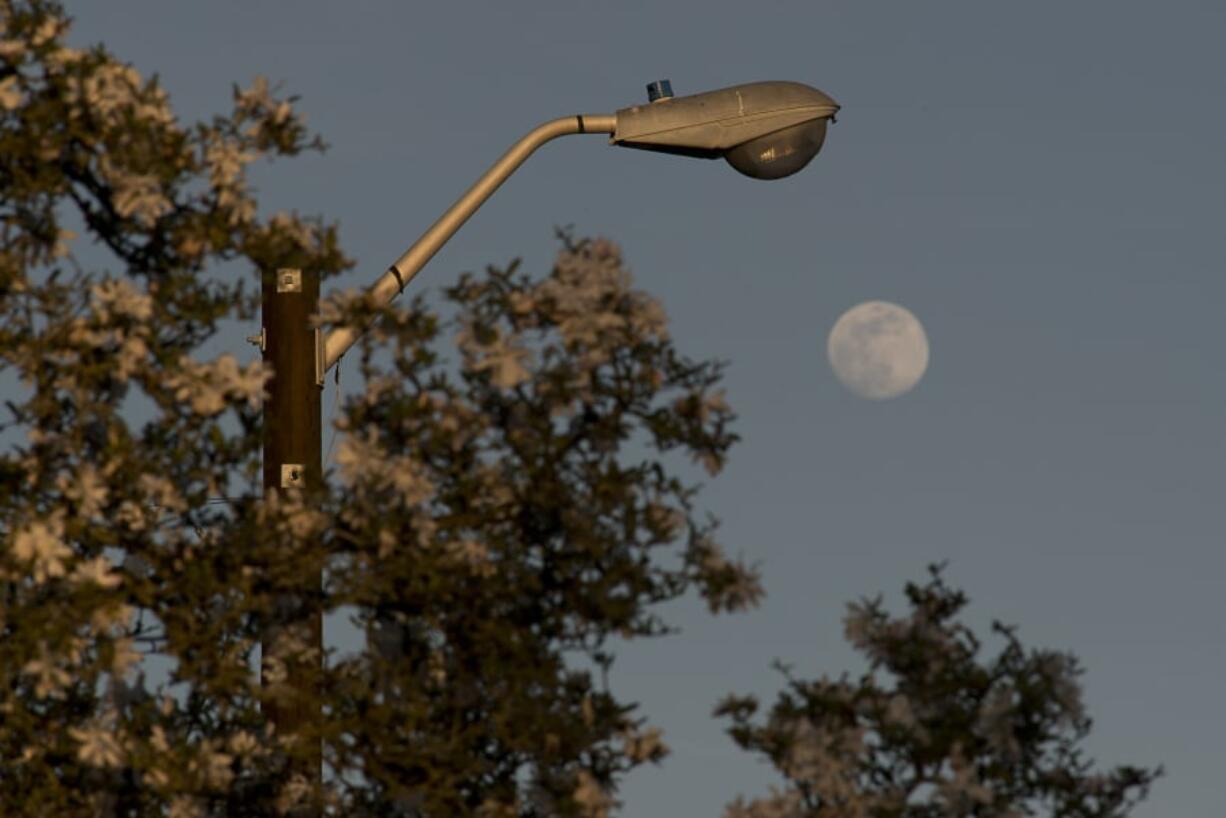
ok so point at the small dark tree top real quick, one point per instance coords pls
(933, 729)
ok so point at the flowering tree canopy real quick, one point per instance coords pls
(946, 735)
(492, 520)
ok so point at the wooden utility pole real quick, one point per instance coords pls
(292, 440)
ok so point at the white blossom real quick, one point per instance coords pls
(858, 624)
(156, 778)
(667, 520)
(227, 160)
(243, 384)
(206, 386)
(521, 303)
(647, 317)
(255, 97)
(243, 744)
(592, 799)
(113, 90)
(963, 788)
(734, 586)
(86, 334)
(494, 490)
(302, 233)
(186, 806)
(11, 95)
(41, 543)
(109, 88)
(646, 745)
(157, 739)
(50, 678)
(273, 670)
(590, 298)
(502, 357)
(46, 32)
(281, 113)
(1060, 672)
(161, 493)
(436, 667)
(97, 746)
(779, 805)
(117, 297)
(97, 571)
(295, 792)
(141, 197)
(62, 57)
(62, 248)
(995, 721)
(240, 209)
(472, 554)
(12, 50)
(363, 458)
(88, 490)
(129, 358)
(123, 657)
(131, 517)
(898, 712)
(216, 766)
(288, 511)
(113, 617)
(824, 758)
(712, 404)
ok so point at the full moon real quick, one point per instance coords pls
(878, 350)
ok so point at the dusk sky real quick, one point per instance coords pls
(1042, 184)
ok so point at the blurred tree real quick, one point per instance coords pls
(493, 519)
(947, 735)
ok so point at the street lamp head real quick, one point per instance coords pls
(766, 130)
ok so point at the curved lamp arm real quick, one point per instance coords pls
(338, 341)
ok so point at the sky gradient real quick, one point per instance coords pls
(1042, 184)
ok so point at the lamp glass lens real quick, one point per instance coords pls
(781, 153)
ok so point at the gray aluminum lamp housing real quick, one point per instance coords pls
(766, 130)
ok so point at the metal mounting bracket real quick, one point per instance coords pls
(260, 340)
(293, 475)
(289, 280)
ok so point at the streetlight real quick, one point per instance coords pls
(766, 130)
